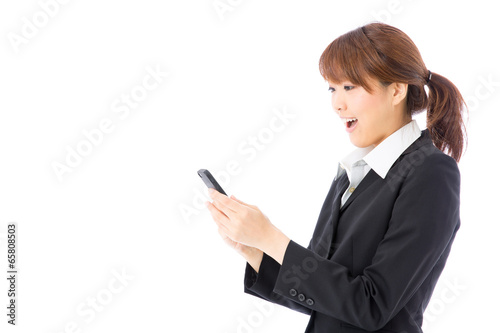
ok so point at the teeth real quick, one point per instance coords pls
(345, 120)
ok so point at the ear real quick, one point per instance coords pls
(399, 92)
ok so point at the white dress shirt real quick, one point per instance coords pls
(380, 158)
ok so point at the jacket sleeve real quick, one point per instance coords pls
(423, 224)
(262, 284)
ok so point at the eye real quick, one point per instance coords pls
(347, 88)
(331, 89)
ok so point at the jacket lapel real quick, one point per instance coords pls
(368, 180)
(371, 176)
(343, 183)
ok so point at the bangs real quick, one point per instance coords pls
(351, 57)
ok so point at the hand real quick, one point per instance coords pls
(245, 228)
(252, 255)
(240, 222)
(238, 247)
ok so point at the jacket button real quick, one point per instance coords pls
(309, 301)
(293, 292)
(302, 297)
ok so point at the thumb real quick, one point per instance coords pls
(243, 203)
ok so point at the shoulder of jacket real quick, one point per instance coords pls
(429, 160)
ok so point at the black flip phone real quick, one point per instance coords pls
(210, 181)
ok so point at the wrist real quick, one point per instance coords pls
(275, 244)
(250, 252)
(254, 257)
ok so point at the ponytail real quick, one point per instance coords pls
(444, 116)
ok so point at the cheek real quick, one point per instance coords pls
(372, 109)
(372, 119)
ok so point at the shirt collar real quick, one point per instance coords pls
(382, 157)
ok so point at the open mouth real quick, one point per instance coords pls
(350, 123)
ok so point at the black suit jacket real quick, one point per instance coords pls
(372, 265)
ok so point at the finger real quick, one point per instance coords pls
(227, 205)
(227, 240)
(238, 200)
(220, 207)
(223, 235)
(222, 229)
(242, 203)
(220, 219)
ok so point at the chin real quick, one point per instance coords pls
(359, 143)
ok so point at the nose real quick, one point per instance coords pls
(338, 103)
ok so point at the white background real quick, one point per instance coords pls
(134, 205)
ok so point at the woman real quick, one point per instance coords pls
(388, 222)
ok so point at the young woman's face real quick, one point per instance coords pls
(377, 114)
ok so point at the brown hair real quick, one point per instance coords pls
(383, 52)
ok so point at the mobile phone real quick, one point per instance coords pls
(210, 181)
